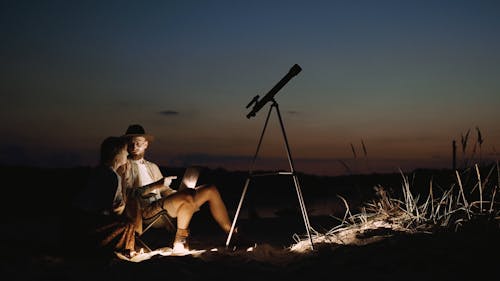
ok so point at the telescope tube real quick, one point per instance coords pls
(270, 95)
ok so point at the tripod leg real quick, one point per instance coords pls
(248, 179)
(295, 179)
(303, 210)
(237, 211)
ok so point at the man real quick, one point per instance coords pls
(178, 204)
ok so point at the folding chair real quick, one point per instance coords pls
(158, 220)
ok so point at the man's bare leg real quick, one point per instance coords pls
(210, 194)
(180, 205)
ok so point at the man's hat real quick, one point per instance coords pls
(136, 130)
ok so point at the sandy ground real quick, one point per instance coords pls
(35, 247)
(470, 254)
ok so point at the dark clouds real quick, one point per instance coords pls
(169, 113)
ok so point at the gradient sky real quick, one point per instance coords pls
(406, 78)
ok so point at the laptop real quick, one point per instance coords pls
(190, 178)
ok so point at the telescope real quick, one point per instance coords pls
(258, 104)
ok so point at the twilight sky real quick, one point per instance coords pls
(404, 78)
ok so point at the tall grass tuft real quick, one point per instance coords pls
(480, 141)
(464, 140)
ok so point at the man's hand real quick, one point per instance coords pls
(168, 180)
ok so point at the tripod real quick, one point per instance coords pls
(291, 173)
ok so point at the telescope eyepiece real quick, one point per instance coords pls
(254, 100)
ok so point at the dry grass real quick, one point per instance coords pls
(471, 198)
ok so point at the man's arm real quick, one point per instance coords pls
(152, 187)
(160, 185)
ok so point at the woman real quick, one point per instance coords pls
(108, 222)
